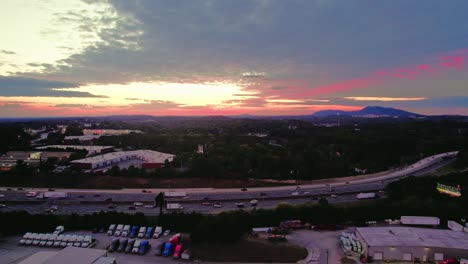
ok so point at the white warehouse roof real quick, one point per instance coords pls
(79, 147)
(413, 237)
(148, 156)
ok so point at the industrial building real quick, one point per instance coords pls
(412, 244)
(92, 150)
(148, 159)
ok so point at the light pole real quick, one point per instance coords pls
(327, 255)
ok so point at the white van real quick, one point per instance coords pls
(111, 230)
(157, 232)
(44, 240)
(136, 246)
(118, 230)
(51, 240)
(72, 240)
(87, 241)
(37, 239)
(58, 240)
(65, 240)
(31, 238)
(142, 232)
(125, 230)
(78, 241)
(25, 238)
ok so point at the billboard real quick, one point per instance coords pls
(449, 190)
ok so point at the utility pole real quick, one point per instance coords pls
(327, 256)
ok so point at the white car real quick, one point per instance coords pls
(125, 231)
(25, 238)
(31, 238)
(294, 193)
(217, 205)
(138, 204)
(136, 246)
(111, 230)
(253, 202)
(167, 232)
(58, 240)
(142, 232)
(51, 240)
(78, 241)
(44, 240)
(149, 206)
(118, 230)
(65, 241)
(333, 196)
(72, 240)
(86, 241)
(37, 239)
(157, 232)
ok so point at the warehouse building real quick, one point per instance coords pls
(412, 244)
(92, 150)
(148, 159)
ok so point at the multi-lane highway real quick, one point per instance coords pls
(86, 201)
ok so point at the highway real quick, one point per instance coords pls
(88, 201)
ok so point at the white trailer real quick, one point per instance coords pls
(175, 194)
(174, 206)
(361, 196)
(454, 226)
(52, 195)
(420, 220)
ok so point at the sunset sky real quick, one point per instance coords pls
(225, 57)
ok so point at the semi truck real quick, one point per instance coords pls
(361, 196)
(174, 206)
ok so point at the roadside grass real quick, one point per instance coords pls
(249, 250)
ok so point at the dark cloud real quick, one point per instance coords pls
(7, 52)
(21, 86)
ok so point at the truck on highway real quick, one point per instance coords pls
(57, 195)
(174, 206)
(175, 194)
(361, 196)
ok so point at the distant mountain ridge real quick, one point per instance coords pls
(369, 111)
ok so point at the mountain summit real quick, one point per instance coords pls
(369, 111)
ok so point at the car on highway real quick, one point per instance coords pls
(148, 206)
(149, 232)
(136, 246)
(333, 196)
(263, 194)
(254, 202)
(122, 246)
(144, 246)
(244, 189)
(125, 231)
(159, 248)
(114, 245)
(217, 205)
(134, 232)
(177, 251)
(137, 204)
(111, 206)
(294, 193)
(206, 203)
(129, 246)
(157, 232)
(142, 232)
(240, 205)
(111, 230)
(167, 249)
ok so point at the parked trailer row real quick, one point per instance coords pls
(136, 231)
(54, 240)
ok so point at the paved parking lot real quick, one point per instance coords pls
(10, 252)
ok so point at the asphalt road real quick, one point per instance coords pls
(88, 201)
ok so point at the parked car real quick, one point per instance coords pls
(87, 241)
(149, 232)
(72, 240)
(111, 230)
(167, 249)
(129, 246)
(449, 261)
(167, 232)
(78, 241)
(175, 239)
(24, 238)
(134, 231)
(113, 245)
(44, 240)
(122, 246)
(58, 241)
(125, 230)
(51, 240)
(37, 239)
(142, 232)
(177, 251)
(30, 240)
(158, 232)
(118, 230)
(65, 241)
(144, 245)
(159, 248)
(136, 246)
